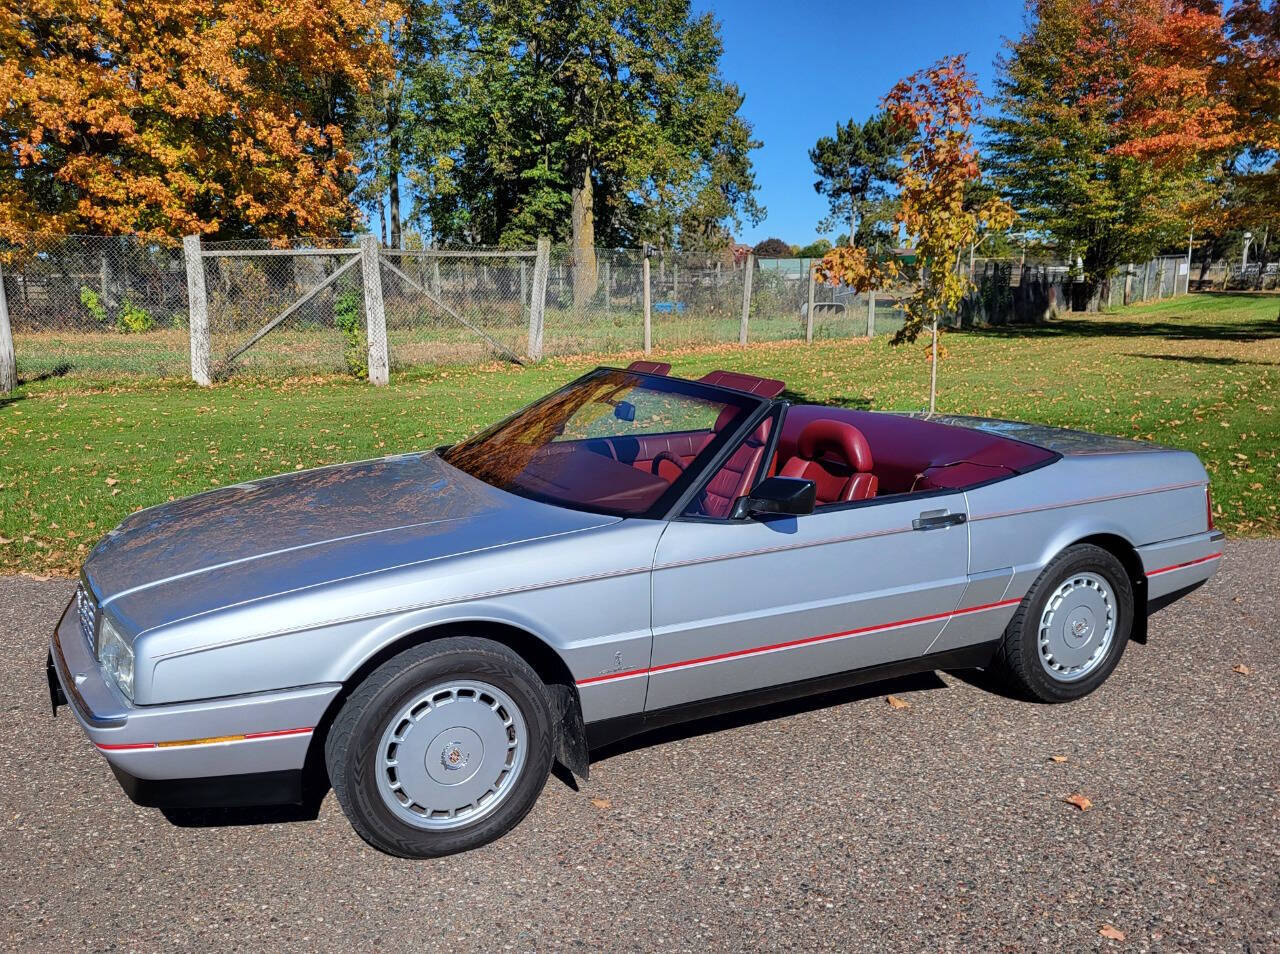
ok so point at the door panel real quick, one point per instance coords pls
(743, 604)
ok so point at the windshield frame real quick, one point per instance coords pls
(752, 408)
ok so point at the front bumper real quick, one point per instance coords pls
(187, 748)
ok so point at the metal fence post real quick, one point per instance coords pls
(746, 299)
(538, 298)
(197, 311)
(375, 315)
(646, 294)
(8, 362)
(871, 313)
(808, 315)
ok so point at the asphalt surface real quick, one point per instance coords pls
(842, 824)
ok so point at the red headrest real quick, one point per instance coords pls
(761, 387)
(649, 367)
(844, 440)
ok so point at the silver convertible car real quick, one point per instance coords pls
(428, 632)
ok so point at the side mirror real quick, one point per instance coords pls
(793, 496)
(624, 411)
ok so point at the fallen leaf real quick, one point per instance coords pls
(1057, 758)
(111, 481)
(1242, 669)
(1108, 931)
(1079, 801)
(899, 703)
(601, 803)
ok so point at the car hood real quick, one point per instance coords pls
(283, 533)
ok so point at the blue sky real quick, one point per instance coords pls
(806, 65)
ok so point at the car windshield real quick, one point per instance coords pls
(615, 442)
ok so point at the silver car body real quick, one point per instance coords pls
(250, 607)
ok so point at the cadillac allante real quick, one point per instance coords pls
(429, 632)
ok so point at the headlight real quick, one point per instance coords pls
(116, 656)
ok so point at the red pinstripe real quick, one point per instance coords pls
(1180, 566)
(248, 737)
(789, 644)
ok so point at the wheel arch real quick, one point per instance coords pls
(566, 705)
(1127, 554)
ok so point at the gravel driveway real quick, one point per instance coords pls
(842, 823)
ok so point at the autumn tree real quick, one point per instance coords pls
(161, 117)
(856, 169)
(937, 206)
(1109, 116)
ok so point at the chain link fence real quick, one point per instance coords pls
(110, 306)
(105, 305)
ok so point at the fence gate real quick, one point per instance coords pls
(277, 309)
(442, 305)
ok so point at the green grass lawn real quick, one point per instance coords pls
(1201, 373)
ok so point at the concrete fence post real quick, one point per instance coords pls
(538, 298)
(197, 311)
(808, 315)
(871, 314)
(8, 362)
(746, 298)
(646, 294)
(375, 315)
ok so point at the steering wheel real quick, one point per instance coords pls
(665, 456)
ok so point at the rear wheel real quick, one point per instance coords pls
(441, 749)
(1071, 628)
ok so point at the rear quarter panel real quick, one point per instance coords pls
(1144, 498)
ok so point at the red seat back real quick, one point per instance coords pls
(825, 451)
(733, 479)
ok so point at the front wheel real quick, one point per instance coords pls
(443, 748)
(1071, 628)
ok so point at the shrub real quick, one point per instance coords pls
(346, 315)
(92, 302)
(134, 320)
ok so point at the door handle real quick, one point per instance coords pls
(935, 519)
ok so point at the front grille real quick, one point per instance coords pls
(87, 610)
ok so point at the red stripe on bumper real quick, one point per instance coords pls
(185, 743)
(757, 650)
(1183, 566)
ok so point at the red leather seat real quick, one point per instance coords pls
(734, 478)
(825, 442)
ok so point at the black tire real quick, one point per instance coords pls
(351, 746)
(1017, 659)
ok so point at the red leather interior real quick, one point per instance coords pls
(761, 387)
(837, 458)
(914, 454)
(650, 367)
(734, 478)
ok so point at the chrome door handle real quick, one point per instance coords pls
(936, 519)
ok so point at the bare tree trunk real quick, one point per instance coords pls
(585, 278)
(393, 166)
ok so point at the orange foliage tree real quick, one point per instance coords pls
(936, 107)
(169, 117)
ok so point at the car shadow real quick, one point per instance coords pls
(308, 811)
(918, 682)
(838, 400)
